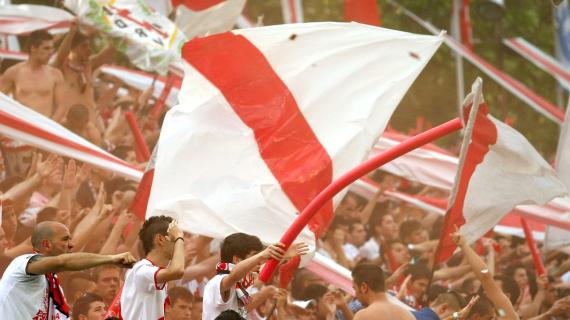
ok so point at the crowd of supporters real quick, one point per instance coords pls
(61, 79)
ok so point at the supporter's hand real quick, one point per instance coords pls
(281, 299)
(33, 165)
(174, 231)
(560, 308)
(47, 167)
(69, 174)
(124, 260)
(296, 249)
(275, 251)
(104, 213)
(124, 218)
(542, 282)
(83, 173)
(330, 303)
(463, 313)
(338, 298)
(101, 196)
(458, 238)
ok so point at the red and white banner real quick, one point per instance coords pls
(363, 11)
(25, 18)
(292, 11)
(498, 170)
(270, 116)
(24, 124)
(207, 19)
(518, 89)
(540, 59)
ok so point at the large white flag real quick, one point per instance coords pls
(200, 20)
(150, 40)
(25, 18)
(498, 170)
(270, 116)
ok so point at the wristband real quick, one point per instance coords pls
(179, 238)
(456, 316)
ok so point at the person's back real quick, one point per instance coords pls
(384, 309)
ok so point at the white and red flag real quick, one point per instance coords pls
(25, 18)
(270, 116)
(498, 170)
(292, 11)
(363, 11)
(199, 18)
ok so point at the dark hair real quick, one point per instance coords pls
(352, 223)
(453, 299)
(77, 114)
(377, 216)
(298, 282)
(46, 214)
(81, 306)
(78, 39)
(419, 271)
(180, 293)
(229, 315)
(482, 307)
(239, 245)
(152, 227)
(370, 274)
(408, 227)
(37, 37)
(509, 286)
(314, 291)
(121, 151)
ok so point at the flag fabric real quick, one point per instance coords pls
(140, 201)
(562, 15)
(150, 40)
(23, 124)
(292, 11)
(269, 116)
(25, 18)
(363, 11)
(201, 18)
(498, 169)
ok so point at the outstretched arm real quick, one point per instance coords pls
(76, 261)
(65, 46)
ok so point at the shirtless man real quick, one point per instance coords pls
(75, 61)
(34, 83)
(368, 283)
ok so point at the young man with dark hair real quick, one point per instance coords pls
(144, 292)
(30, 288)
(180, 307)
(369, 288)
(412, 232)
(108, 282)
(89, 307)
(241, 257)
(413, 291)
(33, 83)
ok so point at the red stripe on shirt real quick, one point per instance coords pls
(286, 142)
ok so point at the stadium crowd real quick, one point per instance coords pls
(53, 206)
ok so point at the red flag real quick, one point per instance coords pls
(363, 11)
(140, 202)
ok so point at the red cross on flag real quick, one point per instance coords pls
(268, 117)
(498, 170)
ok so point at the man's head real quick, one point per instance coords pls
(356, 233)
(108, 280)
(412, 231)
(239, 246)
(317, 292)
(447, 303)
(349, 207)
(51, 238)
(41, 46)
(89, 307)
(385, 226)
(77, 285)
(420, 279)
(180, 307)
(399, 252)
(80, 47)
(229, 315)
(77, 117)
(367, 280)
(154, 236)
(302, 279)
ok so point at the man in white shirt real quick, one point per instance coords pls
(241, 256)
(356, 239)
(30, 289)
(144, 294)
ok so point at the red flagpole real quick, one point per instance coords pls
(139, 139)
(539, 266)
(336, 186)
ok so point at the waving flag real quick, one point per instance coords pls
(150, 40)
(201, 18)
(498, 169)
(25, 18)
(292, 11)
(269, 116)
(363, 11)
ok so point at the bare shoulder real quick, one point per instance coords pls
(13, 70)
(56, 73)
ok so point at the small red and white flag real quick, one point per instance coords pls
(498, 170)
(292, 11)
(269, 116)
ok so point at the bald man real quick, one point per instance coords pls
(30, 289)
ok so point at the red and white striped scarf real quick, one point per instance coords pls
(241, 286)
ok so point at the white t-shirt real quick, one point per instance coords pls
(214, 304)
(142, 296)
(350, 251)
(370, 250)
(25, 296)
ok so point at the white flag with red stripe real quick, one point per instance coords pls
(498, 170)
(201, 18)
(270, 116)
(25, 18)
